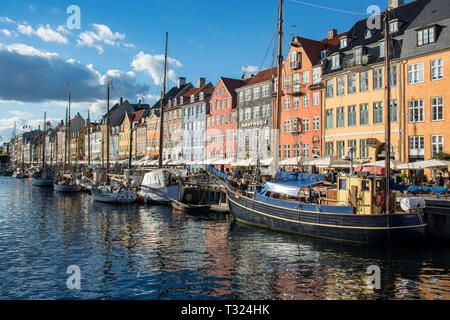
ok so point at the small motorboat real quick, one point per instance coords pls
(19, 175)
(66, 184)
(42, 179)
(109, 194)
(180, 207)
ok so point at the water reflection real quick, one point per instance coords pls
(142, 252)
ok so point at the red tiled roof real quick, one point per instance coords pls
(262, 76)
(138, 115)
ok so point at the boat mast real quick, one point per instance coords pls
(130, 154)
(89, 138)
(277, 113)
(69, 154)
(387, 113)
(43, 141)
(65, 145)
(161, 109)
(107, 130)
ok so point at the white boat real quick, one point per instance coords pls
(67, 188)
(19, 176)
(103, 194)
(42, 182)
(154, 188)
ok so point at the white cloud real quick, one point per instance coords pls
(6, 20)
(21, 114)
(250, 69)
(100, 35)
(49, 35)
(6, 32)
(26, 50)
(46, 33)
(153, 65)
(25, 29)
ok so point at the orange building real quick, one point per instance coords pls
(153, 127)
(301, 103)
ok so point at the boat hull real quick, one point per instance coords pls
(48, 183)
(393, 229)
(20, 176)
(160, 195)
(125, 197)
(66, 188)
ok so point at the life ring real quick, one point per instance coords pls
(379, 199)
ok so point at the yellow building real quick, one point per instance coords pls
(129, 123)
(153, 128)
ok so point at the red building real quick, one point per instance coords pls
(301, 106)
(221, 123)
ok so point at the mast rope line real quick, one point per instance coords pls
(329, 8)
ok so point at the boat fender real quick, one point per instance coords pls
(379, 199)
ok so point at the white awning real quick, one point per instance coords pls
(429, 164)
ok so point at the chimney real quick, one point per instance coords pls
(181, 82)
(121, 100)
(332, 33)
(395, 3)
(201, 82)
(139, 102)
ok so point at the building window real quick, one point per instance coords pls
(296, 79)
(294, 59)
(426, 36)
(296, 102)
(363, 81)
(352, 83)
(393, 76)
(256, 112)
(416, 146)
(305, 100)
(248, 113)
(316, 98)
(256, 93)
(248, 95)
(382, 49)
(437, 145)
(352, 144)
(287, 151)
(377, 112)
(364, 114)
(287, 102)
(377, 79)
(316, 75)
(305, 150)
(394, 111)
(335, 62)
(437, 109)
(266, 91)
(296, 150)
(341, 86)
(393, 26)
(287, 82)
(241, 96)
(357, 56)
(351, 116)
(344, 43)
(316, 123)
(340, 149)
(340, 123)
(437, 69)
(305, 125)
(364, 149)
(266, 111)
(415, 73)
(329, 119)
(329, 148)
(305, 77)
(416, 111)
(287, 124)
(330, 89)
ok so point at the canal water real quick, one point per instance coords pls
(144, 252)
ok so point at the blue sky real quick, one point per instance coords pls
(124, 40)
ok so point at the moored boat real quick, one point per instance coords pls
(355, 215)
(107, 195)
(156, 189)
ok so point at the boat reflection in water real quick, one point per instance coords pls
(146, 252)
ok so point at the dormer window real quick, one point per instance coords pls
(344, 42)
(181, 100)
(426, 36)
(175, 102)
(368, 34)
(382, 49)
(323, 54)
(201, 96)
(393, 26)
(192, 98)
(335, 61)
(357, 56)
(294, 60)
(170, 103)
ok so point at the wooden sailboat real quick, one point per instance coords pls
(43, 178)
(358, 209)
(67, 183)
(111, 191)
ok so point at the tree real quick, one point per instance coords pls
(442, 156)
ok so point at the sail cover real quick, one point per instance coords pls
(288, 187)
(154, 179)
